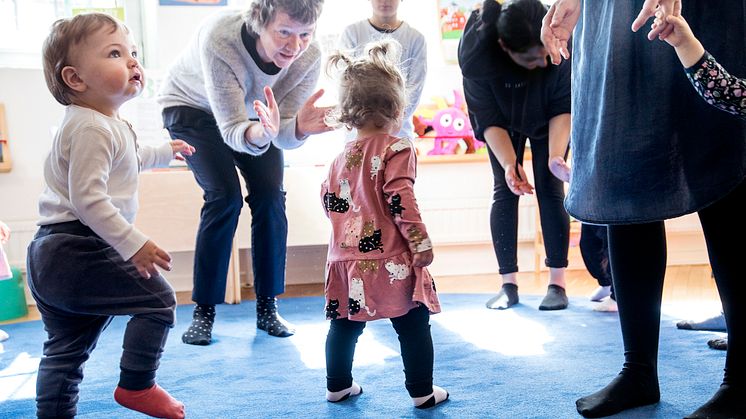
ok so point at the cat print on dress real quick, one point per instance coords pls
(332, 310)
(375, 165)
(421, 243)
(397, 271)
(367, 266)
(346, 194)
(335, 204)
(357, 297)
(371, 240)
(352, 227)
(353, 158)
(395, 207)
(400, 145)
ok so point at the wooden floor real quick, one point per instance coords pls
(686, 283)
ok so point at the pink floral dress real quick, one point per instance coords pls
(376, 228)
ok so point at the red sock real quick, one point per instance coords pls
(153, 401)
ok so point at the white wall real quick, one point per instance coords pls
(32, 112)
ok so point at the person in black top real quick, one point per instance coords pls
(513, 95)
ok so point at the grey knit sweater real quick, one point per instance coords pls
(216, 74)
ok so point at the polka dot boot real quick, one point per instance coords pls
(200, 331)
(269, 320)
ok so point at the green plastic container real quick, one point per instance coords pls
(12, 297)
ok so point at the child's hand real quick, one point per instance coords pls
(269, 119)
(181, 148)
(687, 46)
(516, 180)
(681, 32)
(4, 232)
(150, 255)
(422, 259)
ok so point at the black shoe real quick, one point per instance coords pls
(269, 320)
(200, 331)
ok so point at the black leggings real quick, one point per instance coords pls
(416, 343)
(638, 262)
(550, 194)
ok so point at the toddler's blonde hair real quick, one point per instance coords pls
(371, 86)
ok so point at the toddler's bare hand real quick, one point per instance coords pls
(149, 258)
(422, 259)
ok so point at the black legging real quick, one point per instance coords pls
(416, 343)
(550, 194)
(638, 262)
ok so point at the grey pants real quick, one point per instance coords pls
(79, 283)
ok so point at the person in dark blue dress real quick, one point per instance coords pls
(646, 148)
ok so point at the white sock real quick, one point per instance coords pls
(3, 335)
(338, 396)
(608, 306)
(437, 396)
(600, 293)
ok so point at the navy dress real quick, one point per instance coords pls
(645, 146)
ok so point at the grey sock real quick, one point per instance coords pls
(720, 344)
(556, 299)
(506, 298)
(715, 323)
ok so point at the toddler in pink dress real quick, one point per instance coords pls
(379, 249)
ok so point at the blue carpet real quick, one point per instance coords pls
(519, 363)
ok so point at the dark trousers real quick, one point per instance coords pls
(79, 283)
(594, 248)
(214, 167)
(416, 343)
(638, 264)
(550, 194)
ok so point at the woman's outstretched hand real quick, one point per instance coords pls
(557, 27)
(269, 120)
(310, 119)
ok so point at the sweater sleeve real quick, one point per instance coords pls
(717, 87)
(92, 155)
(417, 67)
(155, 156)
(483, 108)
(400, 167)
(227, 101)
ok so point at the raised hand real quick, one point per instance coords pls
(181, 148)
(269, 119)
(148, 258)
(661, 8)
(310, 119)
(557, 27)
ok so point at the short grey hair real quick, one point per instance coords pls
(261, 12)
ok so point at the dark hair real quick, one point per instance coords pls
(64, 36)
(261, 12)
(516, 22)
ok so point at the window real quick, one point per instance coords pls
(25, 23)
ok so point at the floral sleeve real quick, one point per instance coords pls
(717, 87)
